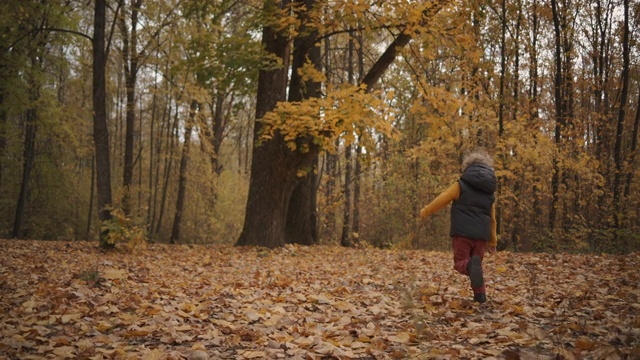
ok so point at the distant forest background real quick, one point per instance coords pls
(550, 88)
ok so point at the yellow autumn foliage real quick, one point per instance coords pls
(345, 112)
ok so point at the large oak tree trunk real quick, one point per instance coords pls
(272, 177)
(301, 225)
(274, 167)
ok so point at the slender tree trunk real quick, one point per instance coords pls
(182, 183)
(559, 107)
(28, 157)
(172, 133)
(152, 149)
(130, 61)
(618, 186)
(345, 237)
(533, 70)
(516, 66)
(219, 125)
(534, 112)
(358, 160)
(100, 129)
(91, 196)
(3, 128)
(634, 149)
(600, 59)
(164, 134)
(331, 160)
(330, 170)
(503, 67)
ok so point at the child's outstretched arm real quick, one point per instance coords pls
(452, 193)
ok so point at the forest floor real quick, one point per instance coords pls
(71, 300)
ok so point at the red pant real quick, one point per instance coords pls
(463, 249)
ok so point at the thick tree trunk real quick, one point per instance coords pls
(274, 167)
(182, 182)
(301, 225)
(100, 129)
(273, 177)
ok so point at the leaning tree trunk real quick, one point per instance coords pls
(100, 129)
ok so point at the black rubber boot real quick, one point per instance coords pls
(480, 298)
(475, 272)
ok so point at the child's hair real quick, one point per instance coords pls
(480, 156)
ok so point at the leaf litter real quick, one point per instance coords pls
(71, 300)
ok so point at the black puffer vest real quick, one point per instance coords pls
(471, 213)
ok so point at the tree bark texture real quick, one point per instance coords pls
(130, 62)
(3, 125)
(618, 149)
(273, 175)
(559, 107)
(28, 157)
(274, 167)
(301, 225)
(100, 129)
(634, 149)
(182, 179)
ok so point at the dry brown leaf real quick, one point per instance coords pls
(310, 302)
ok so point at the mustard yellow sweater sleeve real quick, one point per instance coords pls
(494, 238)
(452, 193)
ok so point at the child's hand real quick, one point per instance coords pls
(491, 250)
